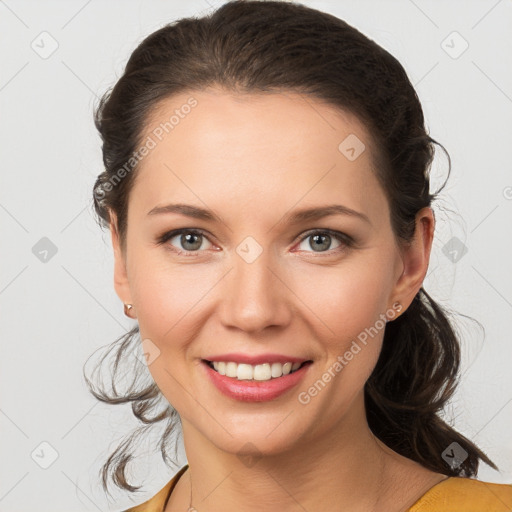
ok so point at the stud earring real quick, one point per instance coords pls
(397, 307)
(128, 309)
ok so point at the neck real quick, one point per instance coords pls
(344, 468)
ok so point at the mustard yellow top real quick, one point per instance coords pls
(455, 494)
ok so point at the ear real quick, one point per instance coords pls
(415, 259)
(121, 283)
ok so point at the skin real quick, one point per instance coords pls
(252, 159)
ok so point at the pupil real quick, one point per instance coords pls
(185, 239)
(319, 245)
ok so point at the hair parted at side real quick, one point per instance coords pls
(272, 46)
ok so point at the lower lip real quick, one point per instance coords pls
(255, 391)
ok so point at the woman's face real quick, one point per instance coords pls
(258, 280)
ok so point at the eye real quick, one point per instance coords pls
(321, 240)
(187, 240)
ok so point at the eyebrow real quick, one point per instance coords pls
(295, 217)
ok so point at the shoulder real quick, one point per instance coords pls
(458, 494)
(159, 500)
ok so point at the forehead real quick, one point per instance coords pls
(260, 120)
(279, 147)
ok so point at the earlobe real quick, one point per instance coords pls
(415, 258)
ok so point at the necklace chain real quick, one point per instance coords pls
(190, 508)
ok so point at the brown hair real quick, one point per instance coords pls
(272, 46)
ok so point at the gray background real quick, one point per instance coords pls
(58, 307)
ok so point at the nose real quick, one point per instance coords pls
(254, 295)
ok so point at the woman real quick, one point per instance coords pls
(266, 186)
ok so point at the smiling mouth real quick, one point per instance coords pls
(259, 372)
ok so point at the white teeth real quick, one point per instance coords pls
(276, 370)
(287, 368)
(262, 372)
(231, 369)
(244, 372)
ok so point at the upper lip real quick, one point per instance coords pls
(256, 359)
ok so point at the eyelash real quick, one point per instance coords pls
(343, 238)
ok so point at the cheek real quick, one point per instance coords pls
(169, 299)
(168, 295)
(351, 320)
(348, 305)
(348, 298)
